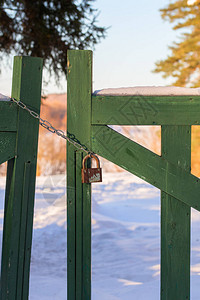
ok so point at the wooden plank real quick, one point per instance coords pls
(87, 241)
(20, 189)
(8, 116)
(147, 165)
(31, 169)
(22, 235)
(71, 222)
(175, 220)
(83, 234)
(145, 110)
(7, 146)
(79, 89)
(79, 227)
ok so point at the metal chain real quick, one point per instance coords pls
(44, 123)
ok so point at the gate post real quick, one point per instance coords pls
(79, 90)
(20, 183)
(175, 219)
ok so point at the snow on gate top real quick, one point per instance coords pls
(4, 98)
(149, 91)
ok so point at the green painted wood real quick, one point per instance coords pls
(79, 227)
(71, 222)
(23, 230)
(79, 90)
(147, 165)
(29, 227)
(8, 116)
(7, 146)
(18, 212)
(175, 220)
(145, 110)
(87, 241)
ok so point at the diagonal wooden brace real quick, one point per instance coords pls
(147, 165)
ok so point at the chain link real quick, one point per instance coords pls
(47, 125)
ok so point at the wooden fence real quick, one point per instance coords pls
(87, 118)
(18, 146)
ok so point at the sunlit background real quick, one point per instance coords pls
(137, 37)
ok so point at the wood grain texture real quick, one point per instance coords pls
(79, 227)
(7, 146)
(79, 90)
(175, 220)
(145, 110)
(147, 165)
(8, 116)
(20, 186)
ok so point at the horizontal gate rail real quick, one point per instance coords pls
(7, 146)
(145, 110)
(8, 116)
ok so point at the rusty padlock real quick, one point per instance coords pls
(90, 175)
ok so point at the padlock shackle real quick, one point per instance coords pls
(91, 156)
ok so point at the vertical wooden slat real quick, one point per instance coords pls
(79, 228)
(175, 220)
(71, 223)
(79, 89)
(23, 229)
(86, 243)
(20, 187)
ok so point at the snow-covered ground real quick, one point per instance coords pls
(125, 240)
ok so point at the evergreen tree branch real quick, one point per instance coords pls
(48, 28)
(183, 63)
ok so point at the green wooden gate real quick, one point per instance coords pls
(18, 146)
(87, 118)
